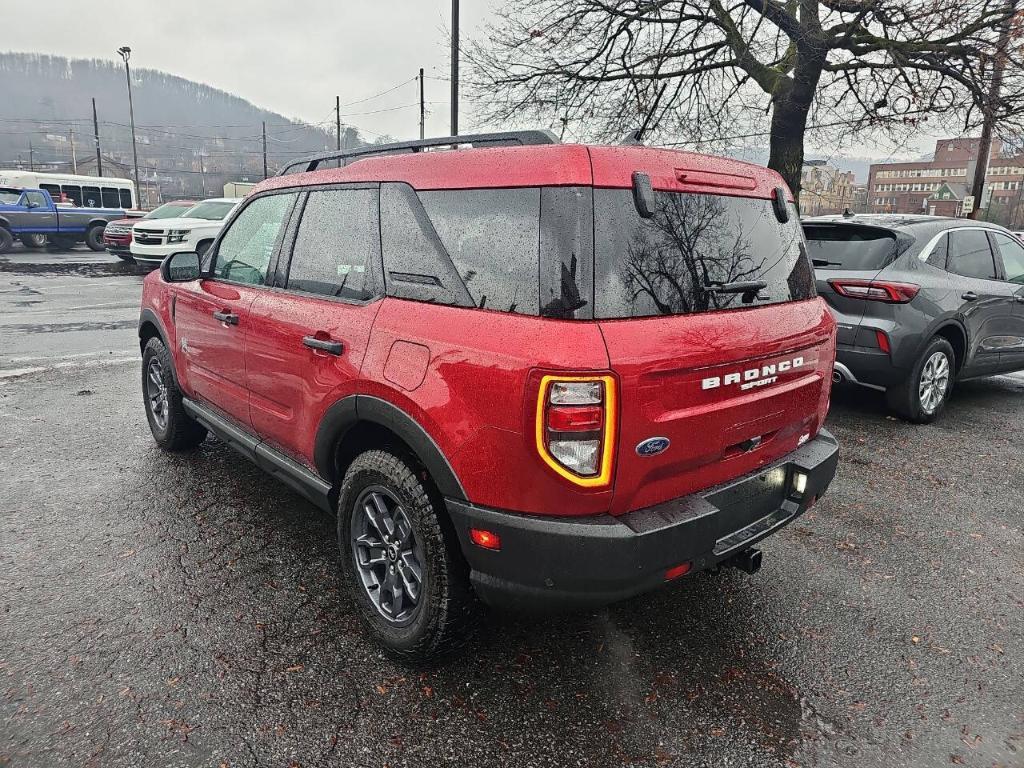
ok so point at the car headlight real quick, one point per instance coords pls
(178, 235)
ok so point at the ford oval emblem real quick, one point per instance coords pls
(652, 446)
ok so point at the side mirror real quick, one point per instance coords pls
(180, 267)
(31, 204)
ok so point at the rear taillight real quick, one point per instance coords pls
(876, 290)
(576, 427)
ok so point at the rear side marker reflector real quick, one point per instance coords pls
(883, 341)
(576, 427)
(676, 571)
(485, 539)
(876, 290)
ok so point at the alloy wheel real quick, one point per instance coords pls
(156, 392)
(387, 555)
(934, 382)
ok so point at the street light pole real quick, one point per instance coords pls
(455, 67)
(126, 53)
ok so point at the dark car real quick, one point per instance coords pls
(921, 302)
(517, 372)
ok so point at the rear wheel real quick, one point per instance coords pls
(94, 238)
(401, 559)
(172, 428)
(6, 240)
(35, 242)
(922, 397)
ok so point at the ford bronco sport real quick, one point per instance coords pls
(521, 372)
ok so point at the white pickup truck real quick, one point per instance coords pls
(195, 231)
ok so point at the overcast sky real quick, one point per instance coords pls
(289, 56)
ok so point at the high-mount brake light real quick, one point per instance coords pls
(576, 426)
(875, 290)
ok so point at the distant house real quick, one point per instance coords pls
(825, 189)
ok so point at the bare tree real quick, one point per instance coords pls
(700, 70)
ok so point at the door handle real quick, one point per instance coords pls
(324, 345)
(226, 317)
(1018, 298)
(970, 296)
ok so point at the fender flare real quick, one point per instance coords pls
(97, 221)
(953, 321)
(356, 409)
(4, 223)
(149, 316)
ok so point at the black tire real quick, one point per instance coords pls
(913, 399)
(94, 238)
(446, 609)
(33, 242)
(6, 240)
(172, 428)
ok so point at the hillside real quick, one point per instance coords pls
(190, 135)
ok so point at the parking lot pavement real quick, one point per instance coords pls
(166, 610)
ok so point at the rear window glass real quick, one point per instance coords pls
(970, 254)
(681, 260)
(854, 248)
(492, 238)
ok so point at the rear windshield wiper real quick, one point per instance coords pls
(826, 263)
(739, 286)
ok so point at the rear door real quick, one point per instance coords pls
(211, 316)
(987, 307)
(734, 381)
(314, 327)
(1011, 258)
(847, 252)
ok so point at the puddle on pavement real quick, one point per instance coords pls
(78, 269)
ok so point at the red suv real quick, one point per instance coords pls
(521, 372)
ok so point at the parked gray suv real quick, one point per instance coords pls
(921, 302)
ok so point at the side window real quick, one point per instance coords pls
(91, 197)
(937, 258)
(54, 191)
(1013, 257)
(245, 250)
(970, 254)
(492, 237)
(125, 196)
(74, 194)
(337, 244)
(36, 198)
(110, 198)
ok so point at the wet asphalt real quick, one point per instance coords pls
(167, 610)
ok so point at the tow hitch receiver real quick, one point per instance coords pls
(748, 561)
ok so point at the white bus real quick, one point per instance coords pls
(81, 191)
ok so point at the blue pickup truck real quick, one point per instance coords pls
(31, 215)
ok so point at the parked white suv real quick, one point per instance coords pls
(195, 231)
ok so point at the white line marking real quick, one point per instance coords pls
(15, 373)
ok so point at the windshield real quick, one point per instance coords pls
(168, 211)
(839, 246)
(214, 211)
(698, 253)
(9, 196)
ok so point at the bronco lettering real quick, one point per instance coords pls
(753, 377)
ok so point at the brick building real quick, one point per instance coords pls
(938, 186)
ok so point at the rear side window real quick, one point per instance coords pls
(91, 197)
(125, 196)
(491, 236)
(110, 198)
(54, 191)
(336, 245)
(939, 252)
(671, 263)
(74, 194)
(970, 254)
(849, 247)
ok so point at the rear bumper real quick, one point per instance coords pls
(549, 562)
(870, 367)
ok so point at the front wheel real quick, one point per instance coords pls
(6, 240)
(172, 428)
(94, 238)
(401, 559)
(35, 241)
(922, 397)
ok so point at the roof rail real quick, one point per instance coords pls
(504, 139)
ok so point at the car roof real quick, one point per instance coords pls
(220, 200)
(899, 221)
(548, 165)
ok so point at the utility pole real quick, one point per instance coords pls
(264, 149)
(455, 68)
(202, 172)
(74, 157)
(337, 117)
(988, 111)
(96, 133)
(31, 156)
(422, 112)
(126, 53)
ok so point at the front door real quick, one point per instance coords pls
(1011, 256)
(315, 330)
(36, 214)
(212, 315)
(987, 303)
